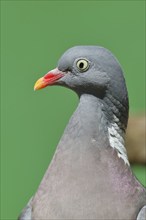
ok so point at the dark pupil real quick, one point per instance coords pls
(81, 65)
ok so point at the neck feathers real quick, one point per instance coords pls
(90, 123)
(116, 125)
(117, 116)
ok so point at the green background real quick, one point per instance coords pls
(34, 35)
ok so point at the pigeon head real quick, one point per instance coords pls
(83, 71)
(91, 70)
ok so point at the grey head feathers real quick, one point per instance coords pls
(103, 78)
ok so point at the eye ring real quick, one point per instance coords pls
(82, 65)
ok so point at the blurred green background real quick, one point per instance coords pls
(34, 34)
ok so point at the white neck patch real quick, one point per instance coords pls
(117, 142)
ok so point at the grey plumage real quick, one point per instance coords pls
(26, 212)
(142, 214)
(89, 176)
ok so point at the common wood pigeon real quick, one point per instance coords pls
(90, 176)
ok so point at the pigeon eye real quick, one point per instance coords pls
(82, 65)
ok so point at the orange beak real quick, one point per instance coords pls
(49, 79)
